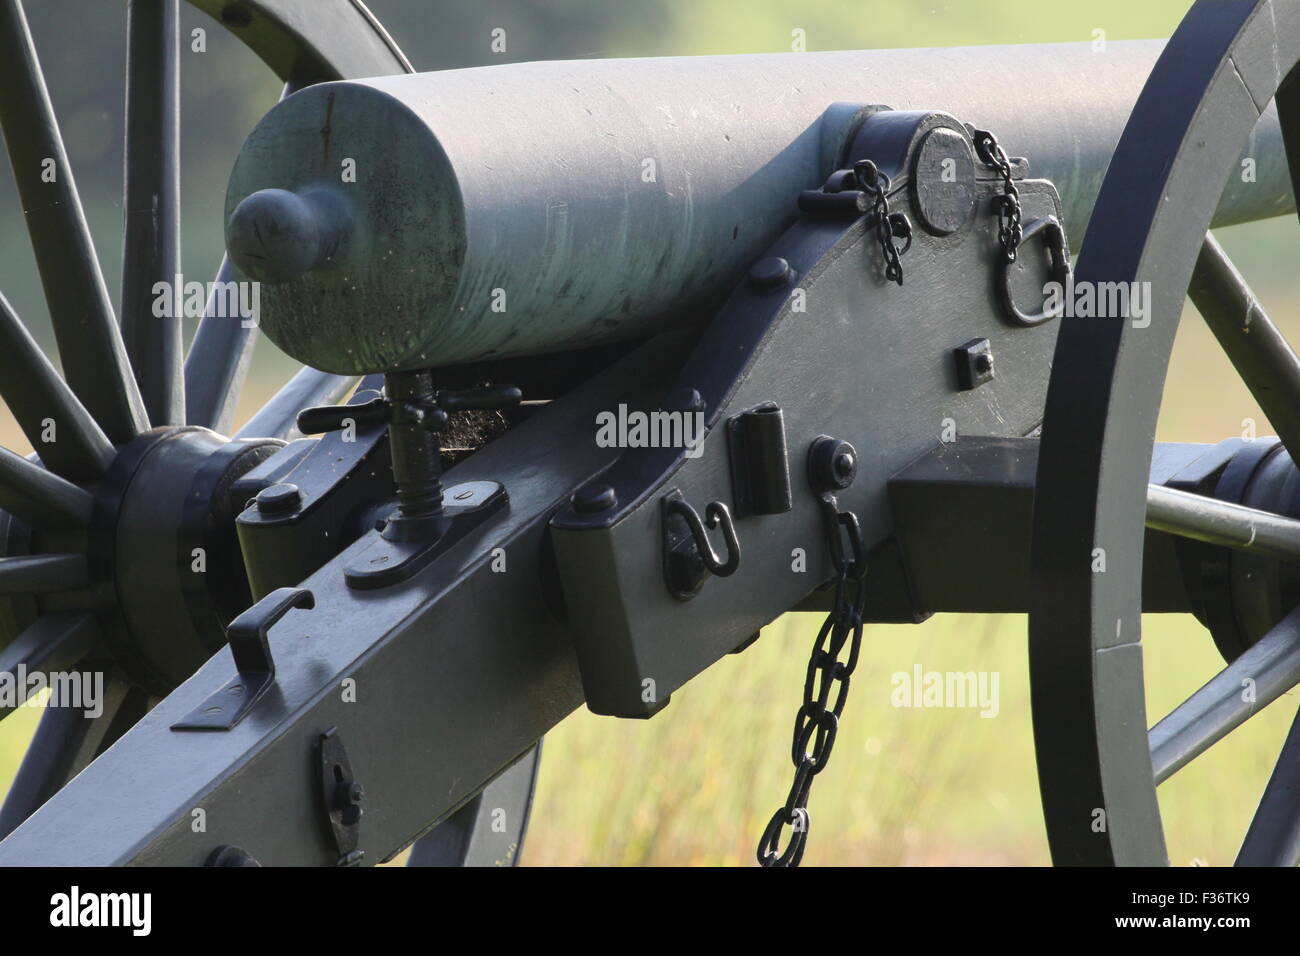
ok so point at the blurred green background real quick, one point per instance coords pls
(696, 784)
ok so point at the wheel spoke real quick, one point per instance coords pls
(68, 440)
(42, 573)
(90, 343)
(219, 356)
(1256, 347)
(278, 418)
(217, 364)
(1274, 835)
(1266, 671)
(1223, 523)
(151, 247)
(65, 742)
(40, 497)
(55, 642)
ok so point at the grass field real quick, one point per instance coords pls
(906, 786)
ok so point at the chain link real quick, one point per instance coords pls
(829, 670)
(1010, 230)
(890, 227)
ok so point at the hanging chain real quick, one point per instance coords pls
(890, 227)
(1010, 231)
(816, 723)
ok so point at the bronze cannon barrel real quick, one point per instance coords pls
(439, 218)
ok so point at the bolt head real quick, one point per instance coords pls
(974, 362)
(684, 399)
(832, 464)
(593, 499)
(845, 465)
(280, 499)
(231, 856)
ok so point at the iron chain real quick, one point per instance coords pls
(829, 669)
(1010, 230)
(890, 227)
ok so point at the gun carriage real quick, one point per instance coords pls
(827, 260)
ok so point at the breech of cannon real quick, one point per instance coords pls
(433, 219)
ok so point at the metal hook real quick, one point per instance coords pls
(716, 513)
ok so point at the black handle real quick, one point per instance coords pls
(332, 418)
(488, 397)
(247, 633)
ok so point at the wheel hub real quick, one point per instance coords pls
(1245, 594)
(164, 573)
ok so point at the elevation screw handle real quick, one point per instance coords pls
(488, 397)
(332, 418)
(381, 411)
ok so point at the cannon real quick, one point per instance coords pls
(607, 365)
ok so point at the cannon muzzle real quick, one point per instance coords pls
(434, 219)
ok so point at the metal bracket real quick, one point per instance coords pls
(760, 468)
(252, 652)
(389, 561)
(684, 570)
(342, 795)
(336, 485)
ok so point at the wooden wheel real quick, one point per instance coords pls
(1098, 764)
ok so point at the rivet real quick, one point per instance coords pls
(769, 273)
